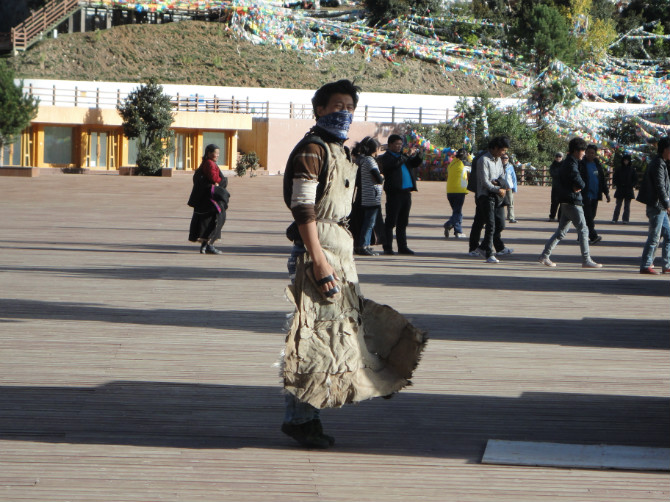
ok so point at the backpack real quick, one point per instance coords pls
(472, 177)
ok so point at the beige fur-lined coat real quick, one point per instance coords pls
(353, 348)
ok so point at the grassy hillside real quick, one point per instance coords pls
(203, 53)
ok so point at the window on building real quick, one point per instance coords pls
(183, 156)
(97, 149)
(11, 153)
(176, 157)
(58, 145)
(133, 148)
(19, 153)
(114, 139)
(219, 139)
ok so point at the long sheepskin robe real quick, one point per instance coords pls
(352, 348)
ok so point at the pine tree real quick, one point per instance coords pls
(621, 129)
(383, 11)
(542, 31)
(550, 36)
(16, 108)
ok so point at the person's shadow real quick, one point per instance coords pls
(164, 414)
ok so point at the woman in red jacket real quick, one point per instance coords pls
(209, 200)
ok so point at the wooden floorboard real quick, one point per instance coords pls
(133, 368)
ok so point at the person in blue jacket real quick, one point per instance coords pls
(399, 171)
(593, 174)
(510, 177)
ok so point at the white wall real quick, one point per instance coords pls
(295, 103)
(65, 91)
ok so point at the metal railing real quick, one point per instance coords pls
(67, 97)
(55, 12)
(40, 21)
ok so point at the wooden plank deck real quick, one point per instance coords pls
(134, 369)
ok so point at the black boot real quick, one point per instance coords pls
(319, 428)
(307, 435)
(202, 247)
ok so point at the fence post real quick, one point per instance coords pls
(97, 97)
(75, 95)
(118, 97)
(178, 102)
(420, 114)
(366, 113)
(53, 97)
(197, 102)
(393, 114)
(267, 110)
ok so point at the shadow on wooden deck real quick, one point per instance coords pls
(163, 414)
(588, 332)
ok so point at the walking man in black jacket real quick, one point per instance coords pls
(399, 172)
(655, 193)
(570, 186)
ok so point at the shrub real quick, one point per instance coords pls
(247, 162)
(147, 115)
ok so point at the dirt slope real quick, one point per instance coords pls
(203, 53)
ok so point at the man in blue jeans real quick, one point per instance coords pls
(570, 186)
(655, 193)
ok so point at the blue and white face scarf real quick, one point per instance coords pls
(336, 123)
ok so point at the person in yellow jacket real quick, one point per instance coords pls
(457, 188)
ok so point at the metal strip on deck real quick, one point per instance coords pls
(634, 458)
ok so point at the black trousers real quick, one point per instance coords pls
(494, 225)
(626, 210)
(398, 206)
(487, 214)
(477, 226)
(590, 210)
(555, 205)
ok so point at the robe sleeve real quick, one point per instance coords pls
(307, 166)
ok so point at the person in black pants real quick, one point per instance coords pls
(593, 174)
(491, 190)
(481, 215)
(399, 172)
(624, 179)
(553, 171)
